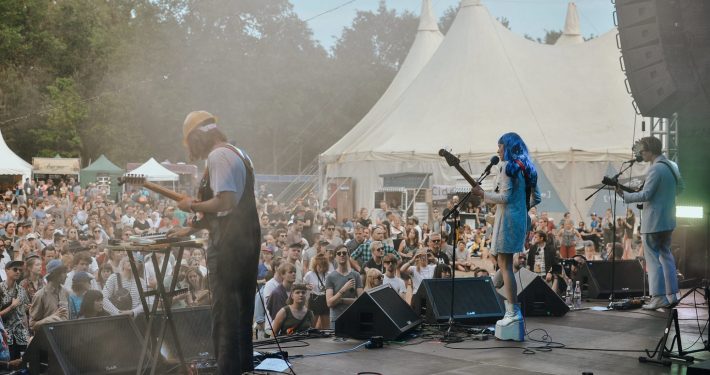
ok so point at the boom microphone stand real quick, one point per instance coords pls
(454, 214)
(605, 183)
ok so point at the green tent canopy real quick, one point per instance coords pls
(102, 172)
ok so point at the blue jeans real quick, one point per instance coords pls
(662, 275)
(259, 312)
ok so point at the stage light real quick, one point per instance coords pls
(689, 212)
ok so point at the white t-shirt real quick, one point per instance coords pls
(396, 283)
(312, 279)
(417, 277)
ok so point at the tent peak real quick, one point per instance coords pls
(468, 3)
(427, 21)
(572, 33)
(572, 20)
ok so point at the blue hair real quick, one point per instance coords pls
(515, 149)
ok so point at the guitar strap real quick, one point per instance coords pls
(664, 162)
(205, 191)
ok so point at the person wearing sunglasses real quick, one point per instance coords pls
(378, 253)
(391, 278)
(14, 303)
(343, 286)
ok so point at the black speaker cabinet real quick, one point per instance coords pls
(377, 312)
(595, 279)
(108, 345)
(536, 298)
(664, 48)
(194, 329)
(475, 300)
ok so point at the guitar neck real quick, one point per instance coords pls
(466, 175)
(163, 191)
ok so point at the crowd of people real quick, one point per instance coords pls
(56, 264)
(336, 259)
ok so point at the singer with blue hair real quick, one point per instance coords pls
(516, 192)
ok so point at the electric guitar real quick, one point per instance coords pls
(199, 221)
(455, 162)
(611, 182)
(608, 181)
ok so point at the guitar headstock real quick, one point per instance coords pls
(133, 179)
(451, 160)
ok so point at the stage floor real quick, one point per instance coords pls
(632, 330)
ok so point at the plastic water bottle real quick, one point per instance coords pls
(577, 298)
(568, 297)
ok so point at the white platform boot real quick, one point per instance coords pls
(512, 326)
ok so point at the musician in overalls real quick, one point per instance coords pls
(226, 200)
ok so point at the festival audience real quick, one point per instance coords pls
(342, 286)
(295, 316)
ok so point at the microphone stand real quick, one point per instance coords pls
(454, 214)
(612, 295)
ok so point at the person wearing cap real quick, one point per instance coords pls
(50, 303)
(227, 193)
(293, 256)
(14, 302)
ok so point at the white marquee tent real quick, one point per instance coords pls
(567, 101)
(154, 171)
(11, 164)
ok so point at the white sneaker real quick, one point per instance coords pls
(656, 302)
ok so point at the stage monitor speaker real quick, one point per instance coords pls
(536, 297)
(377, 312)
(194, 329)
(107, 345)
(663, 44)
(475, 300)
(595, 279)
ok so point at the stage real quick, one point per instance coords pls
(579, 331)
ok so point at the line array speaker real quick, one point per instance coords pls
(664, 44)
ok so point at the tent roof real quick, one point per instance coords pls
(485, 80)
(102, 164)
(154, 171)
(571, 33)
(425, 43)
(11, 163)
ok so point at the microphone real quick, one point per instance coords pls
(494, 161)
(637, 159)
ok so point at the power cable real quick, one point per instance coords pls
(330, 10)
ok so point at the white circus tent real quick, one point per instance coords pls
(11, 164)
(567, 101)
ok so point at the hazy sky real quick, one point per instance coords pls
(526, 16)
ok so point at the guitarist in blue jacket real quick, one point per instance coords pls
(663, 183)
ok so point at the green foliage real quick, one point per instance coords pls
(65, 114)
(90, 77)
